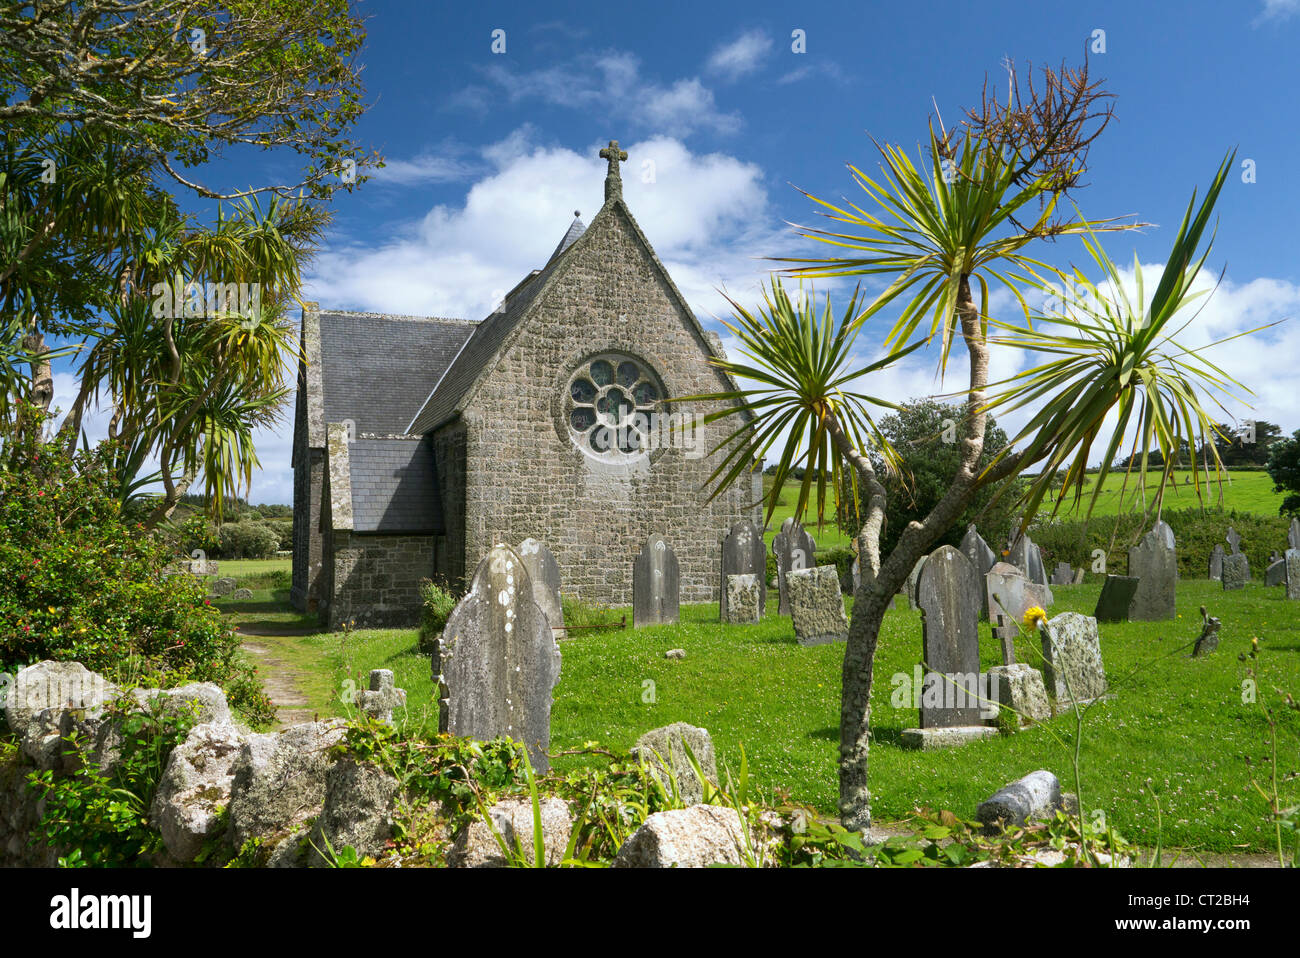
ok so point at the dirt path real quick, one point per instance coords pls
(279, 677)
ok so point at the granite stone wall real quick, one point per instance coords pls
(375, 579)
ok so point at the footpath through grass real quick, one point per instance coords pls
(1178, 735)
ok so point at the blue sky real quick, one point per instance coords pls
(489, 154)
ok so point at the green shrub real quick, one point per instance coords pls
(247, 540)
(1196, 534)
(78, 583)
(842, 559)
(436, 604)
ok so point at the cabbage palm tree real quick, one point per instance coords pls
(939, 236)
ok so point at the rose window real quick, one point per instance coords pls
(610, 405)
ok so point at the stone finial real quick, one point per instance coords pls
(613, 179)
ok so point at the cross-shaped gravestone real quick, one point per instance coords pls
(613, 179)
(382, 697)
(1234, 540)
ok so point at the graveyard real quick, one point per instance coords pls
(1175, 735)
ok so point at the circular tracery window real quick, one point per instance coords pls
(609, 406)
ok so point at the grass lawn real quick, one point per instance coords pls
(1242, 490)
(1177, 732)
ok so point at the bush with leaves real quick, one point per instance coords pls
(78, 583)
(436, 604)
(247, 539)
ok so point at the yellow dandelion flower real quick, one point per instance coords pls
(1034, 615)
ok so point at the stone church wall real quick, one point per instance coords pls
(374, 580)
(524, 475)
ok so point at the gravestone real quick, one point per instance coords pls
(743, 605)
(1293, 535)
(1292, 558)
(947, 593)
(982, 558)
(1216, 563)
(1275, 574)
(913, 578)
(1026, 556)
(743, 554)
(1116, 598)
(656, 585)
(1019, 691)
(1072, 666)
(1078, 577)
(1208, 640)
(817, 606)
(1153, 563)
(1171, 543)
(1062, 574)
(544, 572)
(497, 661)
(793, 548)
(1234, 540)
(382, 697)
(1007, 593)
(1236, 571)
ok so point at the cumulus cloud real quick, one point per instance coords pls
(741, 56)
(1276, 10)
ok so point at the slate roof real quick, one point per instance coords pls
(377, 369)
(576, 229)
(395, 486)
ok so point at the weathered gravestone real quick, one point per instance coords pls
(948, 594)
(817, 606)
(743, 603)
(793, 548)
(544, 572)
(223, 586)
(1234, 540)
(1154, 565)
(497, 661)
(1010, 595)
(664, 751)
(656, 585)
(1292, 559)
(983, 558)
(1026, 556)
(1063, 574)
(743, 554)
(1293, 535)
(1072, 666)
(1167, 533)
(1216, 563)
(1236, 571)
(382, 697)
(1208, 640)
(1275, 574)
(1078, 577)
(1116, 598)
(1019, 690)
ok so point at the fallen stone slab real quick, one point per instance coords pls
(1037, 795)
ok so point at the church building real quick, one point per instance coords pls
(421, 442)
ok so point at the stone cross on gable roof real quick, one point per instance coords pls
(613, 179)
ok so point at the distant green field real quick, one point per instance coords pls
(1243, 491)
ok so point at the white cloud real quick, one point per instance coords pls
(425, 168)
(612, 85)
(741, 56)
(1277, 10)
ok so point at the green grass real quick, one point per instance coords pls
(1177, 729)
(1245, 491)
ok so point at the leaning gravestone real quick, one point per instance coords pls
(793, 548)
(1293, 535)
(497, 661)
(1154, 565)
(1026, 556)
(1116, 598)
(1275, 574)
(544, 572)
(982, 558)
(1072, 666)
(948, 593)
(1216, 563)
(656, 585)
(1236, 571)
(1292, 559)
(743, 554)
(1078, 577)
(1167, 533)
(743, 605)
(816, 606)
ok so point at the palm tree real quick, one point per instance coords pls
(939, 236)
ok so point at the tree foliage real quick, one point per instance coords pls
(1284, 470)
